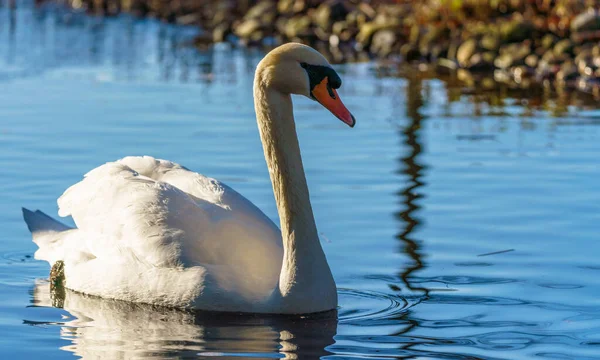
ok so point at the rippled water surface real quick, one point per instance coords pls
(457, 224)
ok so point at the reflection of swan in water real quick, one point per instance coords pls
(112, 329)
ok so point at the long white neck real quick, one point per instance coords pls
(305, 282)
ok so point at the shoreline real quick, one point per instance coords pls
(521, 43)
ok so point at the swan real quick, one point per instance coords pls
(152, 231)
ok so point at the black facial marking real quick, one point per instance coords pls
(316, 74)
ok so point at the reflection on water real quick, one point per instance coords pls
(106, 329)
(413, 170)
(48, 37)
(461, 220)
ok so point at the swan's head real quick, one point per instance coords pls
(295, 68)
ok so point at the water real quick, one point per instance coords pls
(458, 224)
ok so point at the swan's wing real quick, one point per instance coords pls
(236, 231)
(137, 216)
(121, 212)
(167, 214)
(210, 194)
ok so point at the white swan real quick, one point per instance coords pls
(152, 231)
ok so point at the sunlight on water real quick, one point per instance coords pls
(457, 223)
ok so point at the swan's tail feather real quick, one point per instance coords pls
(51, 237)
(38, 221)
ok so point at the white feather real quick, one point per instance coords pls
(151, 231)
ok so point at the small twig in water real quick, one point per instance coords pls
(497, 252)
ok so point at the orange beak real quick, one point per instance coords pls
(328, 97)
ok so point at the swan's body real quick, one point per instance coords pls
(154, 232)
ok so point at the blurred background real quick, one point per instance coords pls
(460, 217)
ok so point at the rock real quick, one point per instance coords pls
(344, 31)
(297, 26)
(260, 9)
(511, 49)
(539, 51)
(338, 27)
(291, 7)
(516, 30)
(329, 12)
(247, 28)
(550, 57)
(584, 58)
(549, 65)
(358, 18)
(504, 61)
(367, 30)
(410, 52)
(490, 42)
(453, 48)
(334, 41)
(521, 73)
(567, 73)
(434, 37)
(489, 56)
(488, 83)
(366, 33)
(481, 62)
(220, 32)
(221, 16)
(587, 67)
(466, 77)
(367, 10)
(564, 46)
(548, 41)
(383, 42)
(465, 51)
(512, 55)
(589, 84)
(320, 33)
(502, 76)
(587, 21)
(189, 19)
(438, 51)
(596, 56)
(532, 60)
(258, 18)
(522, 76)
(392, 11)
(446, 66)
(285, 6)
(414, 34)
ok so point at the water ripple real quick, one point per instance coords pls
(16, 257)
(371, 307)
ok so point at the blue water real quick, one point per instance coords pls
(458, 224)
